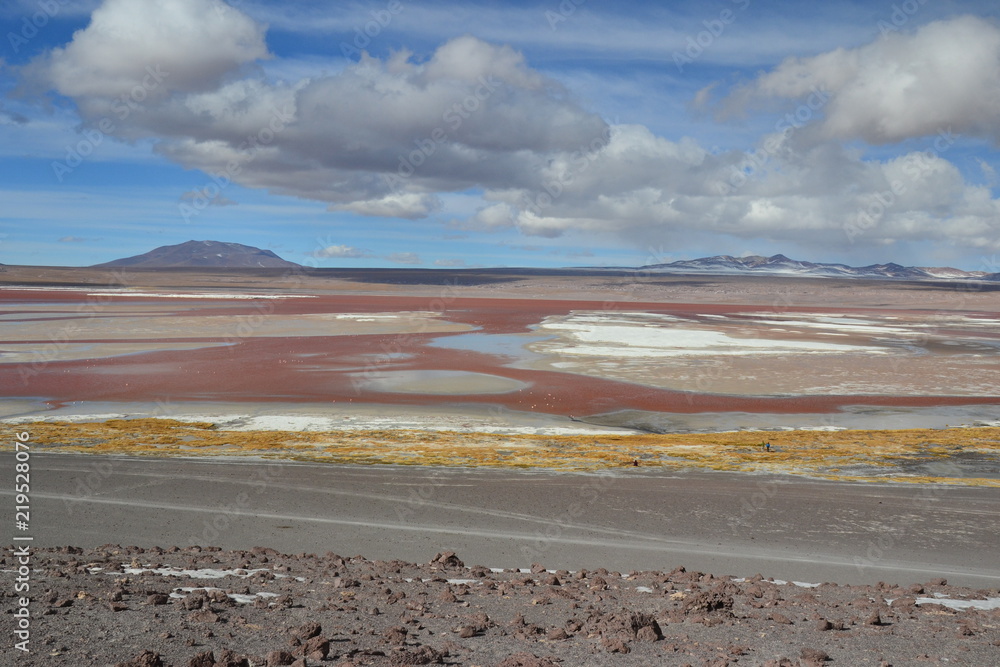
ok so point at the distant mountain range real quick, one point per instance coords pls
(207, 254)
(779, 265)
(218, 254)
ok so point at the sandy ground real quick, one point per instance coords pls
(725, 523)
(193, 607)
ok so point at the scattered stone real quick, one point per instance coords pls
(719, 599)
(814, 655)
(205, 659)
(144, 659)
(395, 635)
(228, 658)
(447, 559)
(614, 645)
(203, 616)
(307, 631)
(526, 660)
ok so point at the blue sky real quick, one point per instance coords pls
(447, 134)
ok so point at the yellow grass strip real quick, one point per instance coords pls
(883, 455)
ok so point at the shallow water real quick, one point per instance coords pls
(852, 417)
(508, 345)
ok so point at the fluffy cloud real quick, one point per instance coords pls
(379, 138)
(190, 44)
(342, 251)
(388, 137)
(821, 195)
(946, 75)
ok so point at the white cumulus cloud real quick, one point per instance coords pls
(945, 75)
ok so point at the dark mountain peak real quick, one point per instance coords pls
(207, 254)
(782, 265)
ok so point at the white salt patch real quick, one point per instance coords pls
(800, 584)
(205, 573)
(285, 423)
(626, 336)
(242, 598)
(961, 605)
(643, 589)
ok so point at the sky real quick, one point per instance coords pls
(463, 134)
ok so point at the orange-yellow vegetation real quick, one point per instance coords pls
(876, 455)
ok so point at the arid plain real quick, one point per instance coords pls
(557, 420)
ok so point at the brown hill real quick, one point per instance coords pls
(216, 254)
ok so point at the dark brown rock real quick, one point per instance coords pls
(144, 659)
(316, 646)
(447, 559)
(229, 658)
(307, 631)
(614, 645)
(204, 659)
(277, 658)
(814, 655)
(203, 616)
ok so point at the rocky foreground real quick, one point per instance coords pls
(204, 607)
